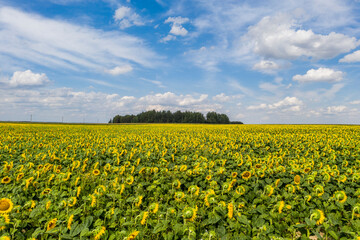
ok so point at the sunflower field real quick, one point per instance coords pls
(175, 181)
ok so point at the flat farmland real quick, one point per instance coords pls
(178, 181)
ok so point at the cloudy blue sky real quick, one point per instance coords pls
(258, 61)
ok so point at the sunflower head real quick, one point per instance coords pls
(246, 175)
(297, 179)
(258, 166)
(129, 180)
(234, 174)
(6, 180)
(319, 190)
(46, 191)
(208, 177)
(340, 196)
(240, 190)
(96, 172)
(269, 190)
(179, 196)
(318, 216)
(6, 205)
(51, 224)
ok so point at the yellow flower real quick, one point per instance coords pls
(72, 201)
(297, 179)
(70, 221)
(133, 235)
(318, 216)
(143, 220)
(308, 198)
(96, 172)
(93, 200)
(230, 210)
(194, 190)
(6, 180)
(342, 178)
(5, 238)
(6, 205)
(240, 190)
(208, 177)
(179, 196)
(154, 207)
(246, 175)
(177, 183)
(19, 176)
(281, 206)
(138, 201)
(51, 224)
(277, 181)
(234, 174)
(78, 190)
(46, 191)
(340, 196)
(129, 180)
(48, 205)
(269, 190)
(189, 213)
(319, 190)
(100, 233)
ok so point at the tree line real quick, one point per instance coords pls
(176, 117)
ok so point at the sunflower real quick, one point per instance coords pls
(340, 196)
(100, 233)
(318, 216)
(96, 172)
(258, 166)
(194, 190)
(277, 181)
(326, 177)
(230, 210)
(209, 197)
(179, 196)
(290, 188)
(246, 175)
(6, 180)
(308, 198)
(240, 190)
(70, 221)
(268, 190)
(176, 184)
(5, 238)
(342, 178)
(356, 211)
(6, 205)
(234, 174)
(48, 204)
(297, 179)
(46, 191)
(208, 177)
(189, 213)
(51, 224)
(307, 170)
(281, 206)
(138, 200)
(143, 220)
(319, 190)
(72, 201)
(19, 176)
(154, 207)
(133, 235)
(129, 180)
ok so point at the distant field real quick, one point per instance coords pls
(175, 181)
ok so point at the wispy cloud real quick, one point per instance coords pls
(60, 44)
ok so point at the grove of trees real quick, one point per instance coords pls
(176, 117)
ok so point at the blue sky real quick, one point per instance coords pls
(257, 61)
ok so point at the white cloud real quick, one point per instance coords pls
(120, 70)
(222, 97)
(176, 27)
(28, 79)
(126, 17)
(168, 38)
(352, 57)
(266, 66)
(320, 75)
(355, 102)
(335, 109)
(276, 37)
(287, 104)
(62, 45)
(170, 98)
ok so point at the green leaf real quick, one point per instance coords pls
(334, 235)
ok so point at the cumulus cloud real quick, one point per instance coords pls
(222, 97)
(352, 57)
(126, 17)
(58, 44)
(287, 104)
(335, 109)
(120, 70)
(355, 102)
(176, 28)
(170, 98)
(277, 37)
(28, 79)
(176, 25)
(320, 75)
